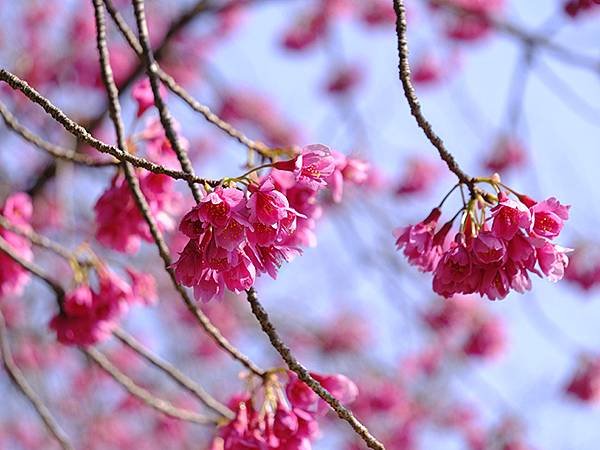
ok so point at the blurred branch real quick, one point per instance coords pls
(144, 208)
(22, 385)
(528, 38)
(142, 394)
(33, 269)
(80, 132)
(53, 150)
(178, 90)
(293, 364)
(177, 376)
(178, 25)
(37, 239)
(166, 119)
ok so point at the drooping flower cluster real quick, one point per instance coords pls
(490, 255)
(585, 383)
(235, 235)
(17, 210)
(284, 419)
(120, 224)
(89, 315)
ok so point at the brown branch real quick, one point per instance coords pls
(52, 149)
(81, 133)
(176, 26)
(33, 269)
(178, 90)
(176, 375)
(293, 364)
(22, 385)
(163, 111)
(413, 101)
(36, 239)
(142, 394)
(157, 236)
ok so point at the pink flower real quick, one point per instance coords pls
(311, 167)
(488, 248)
(552, 259)
(347, 169)
(344, 80)
(219, 206)
(143, 95)
(267, 205)
(507, 153)
(548, 217)
(89, 316)
(143, 286)
(17, 209)
(585, 383)
(419, 176)
(486, 339)
(454, 273)
(120, 225)
(509, 215)
(427, 70)
(418, 242)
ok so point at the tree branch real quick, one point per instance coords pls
(178, 90)
(22, 385)
(177, 376)
(53, 150)
(163, 111)
(144, 208)
(293, 364)
(78, 131)
(413, 101)
(142, 394)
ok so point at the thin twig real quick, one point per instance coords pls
(50, 148)
(81, 133)
(36, 239)
(157, 236)
(178, 90)
(413, 101)
(176, 375)
(163, 111)
(142, 394)
(33, 269)
(293, 364)
(21, 383)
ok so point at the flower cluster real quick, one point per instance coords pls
(235, 235)
(286, 419)
(491, 254)
(89, 315)
(120, 224)
(17, 210)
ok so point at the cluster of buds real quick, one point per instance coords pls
(502, 238)
(280, 417)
